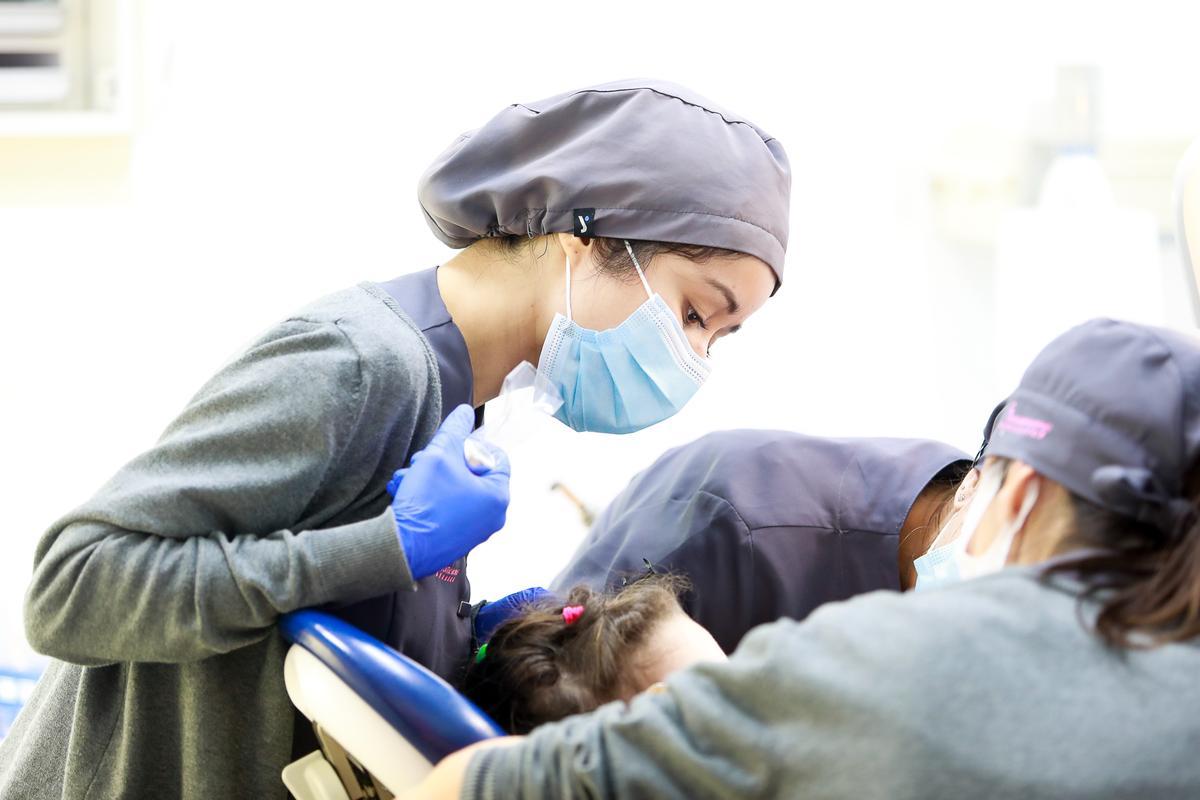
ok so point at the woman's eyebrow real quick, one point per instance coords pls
(731, 301)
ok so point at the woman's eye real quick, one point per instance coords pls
(692, 318)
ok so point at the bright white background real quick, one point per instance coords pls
(278, 147)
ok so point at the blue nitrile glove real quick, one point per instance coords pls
(492, 615)
(444, 509)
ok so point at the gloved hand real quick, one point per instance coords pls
(444, 509)
(492, 615)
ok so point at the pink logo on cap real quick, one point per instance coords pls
(1014, 423)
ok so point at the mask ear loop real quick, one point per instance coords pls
(638, 267)
(567, 289)
(997, 554)
(1018, 525)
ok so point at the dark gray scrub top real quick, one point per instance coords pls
(431, 625)
(765, 524)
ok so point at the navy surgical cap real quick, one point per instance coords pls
(1110, 410)
(638, 159)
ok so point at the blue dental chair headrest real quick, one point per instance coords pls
(422, 707)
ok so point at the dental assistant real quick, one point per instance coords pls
(611, 235)
(1057, 658)
(769, 524)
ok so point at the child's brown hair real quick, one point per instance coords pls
(538, 668)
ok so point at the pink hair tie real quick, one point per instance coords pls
(571, 614)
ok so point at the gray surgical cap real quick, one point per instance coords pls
(639, 159)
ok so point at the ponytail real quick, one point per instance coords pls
(1147, 583)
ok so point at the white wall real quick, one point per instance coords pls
(277, 159)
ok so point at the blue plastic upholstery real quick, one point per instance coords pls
(422, 707)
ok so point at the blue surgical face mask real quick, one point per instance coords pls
(625, 378)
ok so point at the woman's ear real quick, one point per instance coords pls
(1018, 483)
(577, 249)
(965, 490)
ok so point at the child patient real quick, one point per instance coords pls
(557, 658)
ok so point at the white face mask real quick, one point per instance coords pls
(948, 561)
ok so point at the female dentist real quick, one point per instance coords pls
(1070, 674)
(612, 234)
